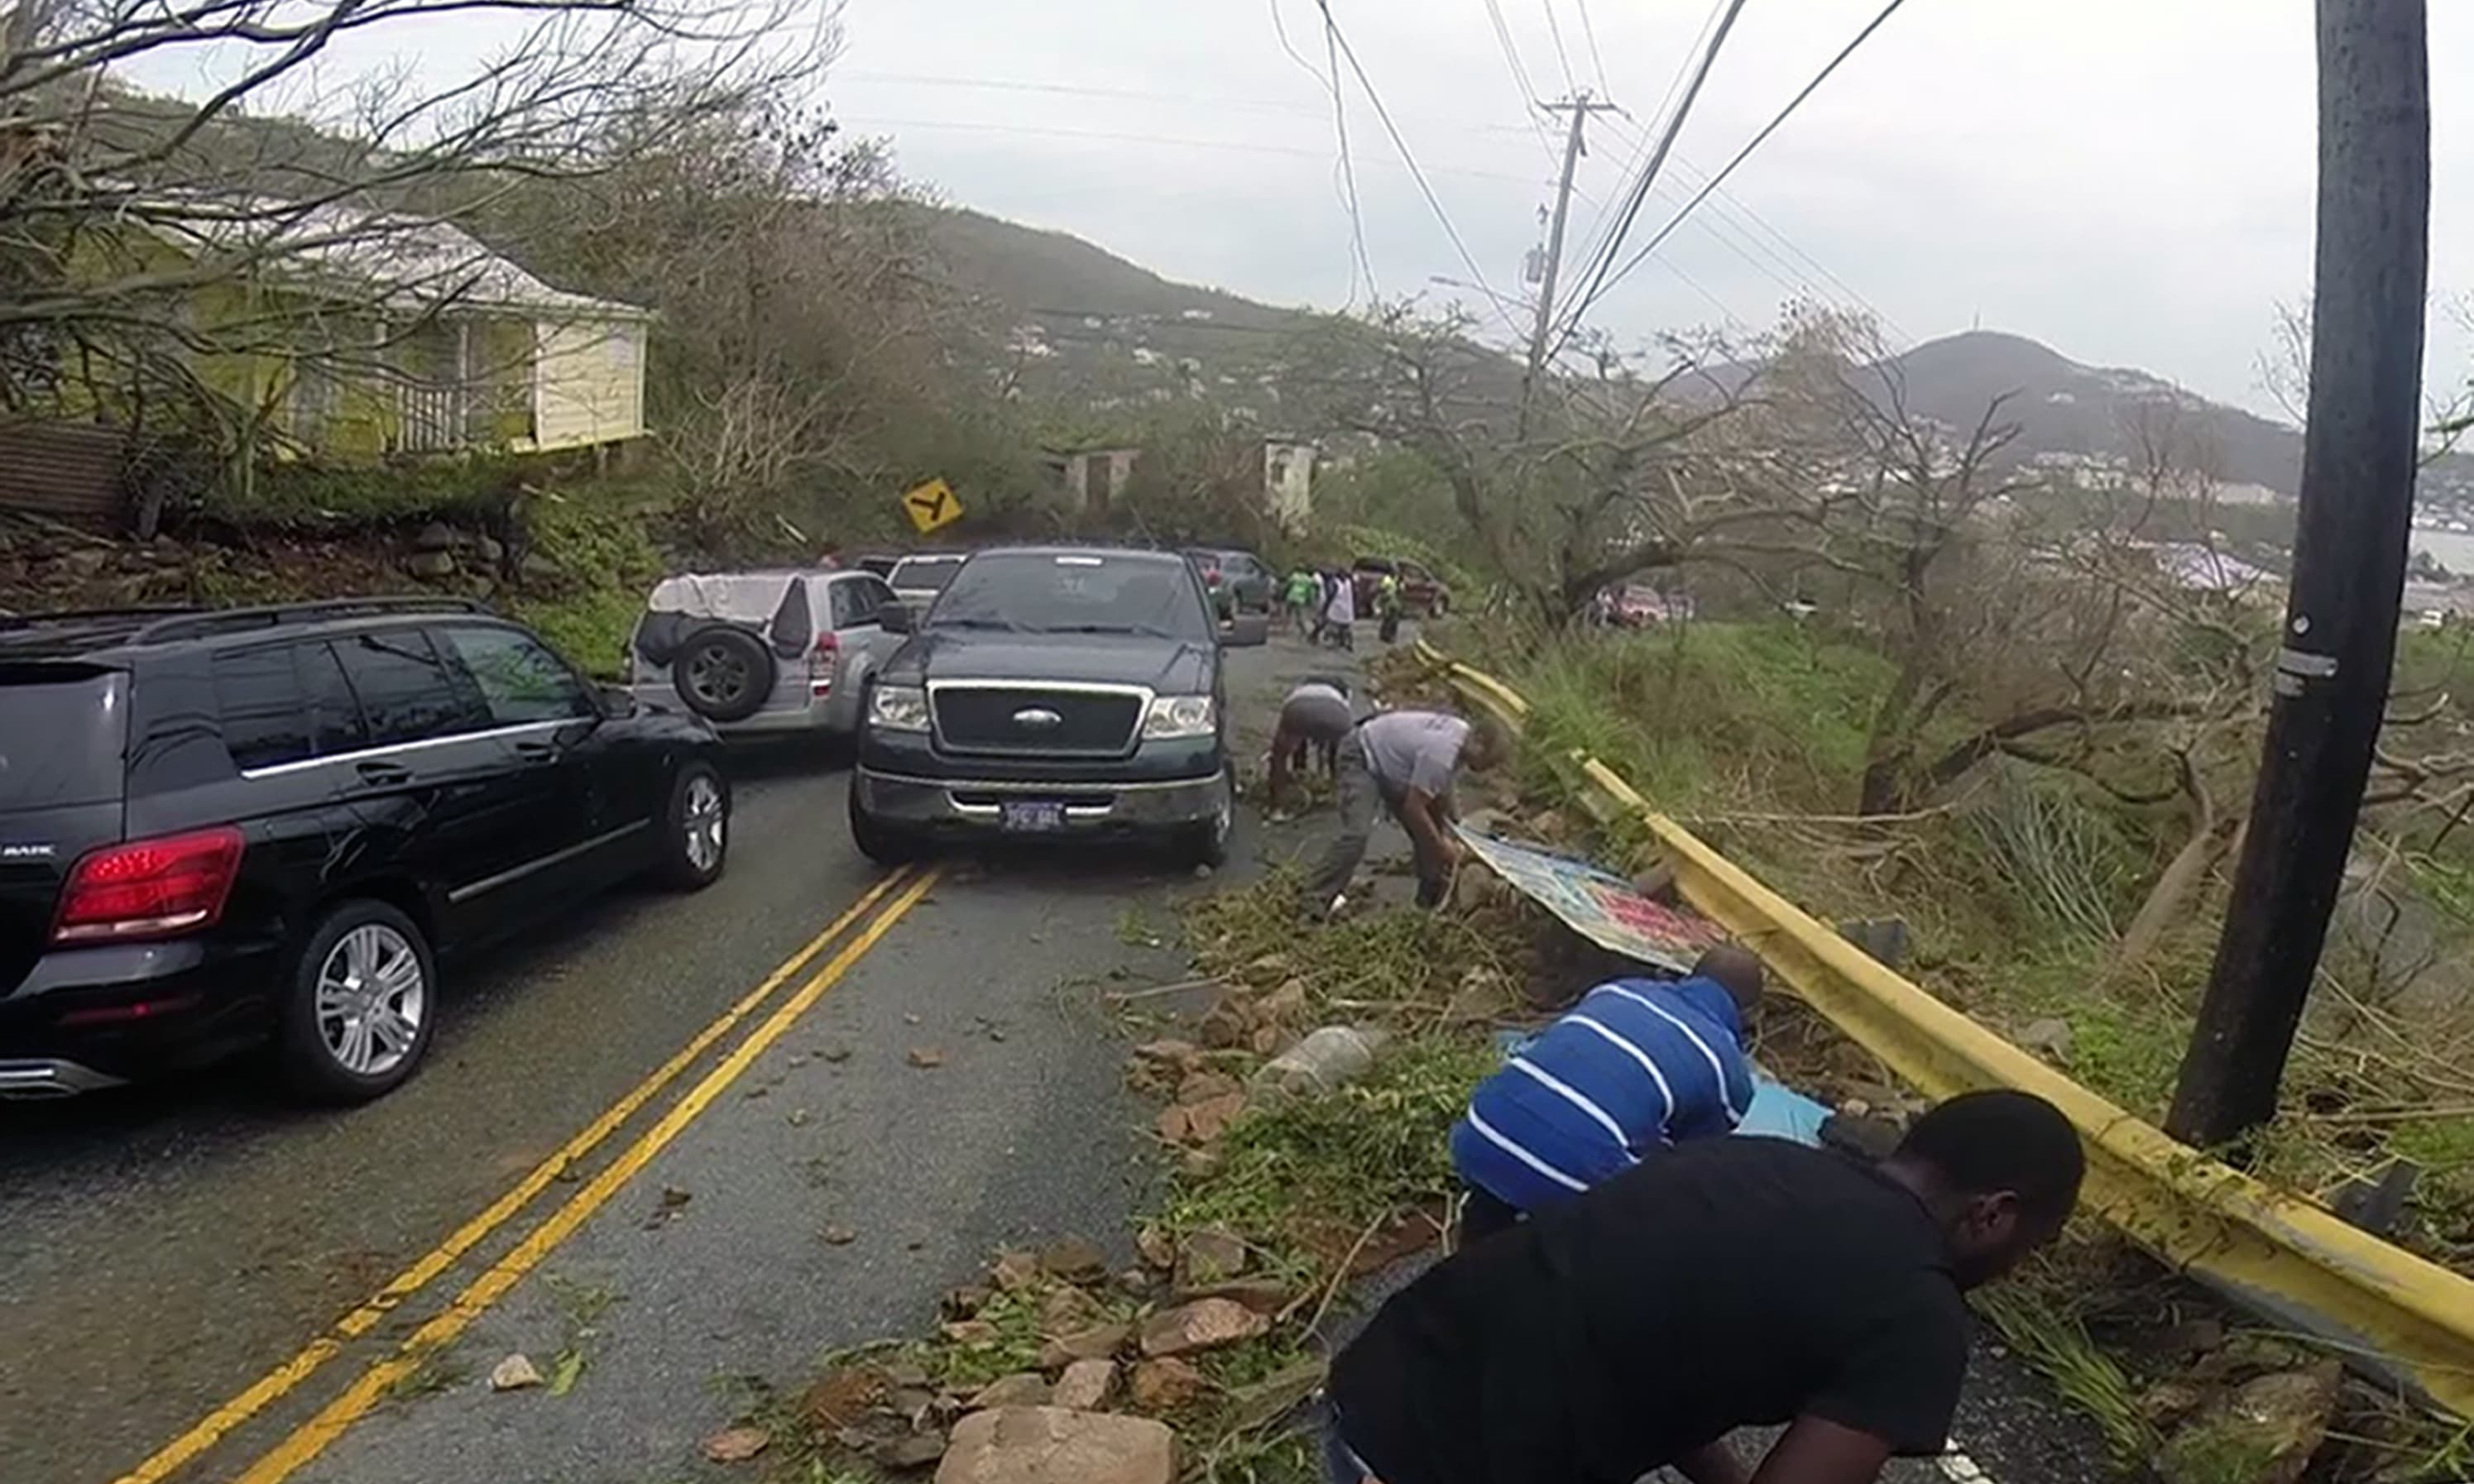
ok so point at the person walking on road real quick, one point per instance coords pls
(1724, 1283)
(1315, 720)
(1407, 761)
(1340, 612)
(1303, 589)
(1638, 1065)
(1387, 607)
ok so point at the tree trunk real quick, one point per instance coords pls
(2173, 893)
(1891, 745)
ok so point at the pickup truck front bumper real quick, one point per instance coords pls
(974, 805)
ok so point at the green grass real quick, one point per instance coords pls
(1713, 715)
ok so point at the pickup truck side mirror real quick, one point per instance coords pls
(894, 618)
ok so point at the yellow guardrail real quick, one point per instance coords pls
(2388, 1311)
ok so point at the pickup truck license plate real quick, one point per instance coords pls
(1030, 816)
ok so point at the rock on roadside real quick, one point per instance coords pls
(1046, 1444)
(1206, 1323)
(1085, 1385)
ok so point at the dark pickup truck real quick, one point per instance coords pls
(1051, 692)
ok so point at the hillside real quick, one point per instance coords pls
(1101, 333)
(2063, 407)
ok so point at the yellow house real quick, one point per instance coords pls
(361, 335)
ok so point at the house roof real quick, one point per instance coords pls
(414, 263)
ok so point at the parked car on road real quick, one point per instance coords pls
(762, 652)
(918, 578)
(1237, 580)
(271, 824)
(1421, 592)
(1639, 605)
(1052, 691)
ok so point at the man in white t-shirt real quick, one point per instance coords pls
(1407, 761)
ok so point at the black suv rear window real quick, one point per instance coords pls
(63, 729)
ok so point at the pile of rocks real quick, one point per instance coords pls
(1115, 1354)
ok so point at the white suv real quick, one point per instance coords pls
(762, 652)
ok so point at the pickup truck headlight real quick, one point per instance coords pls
(898, 709)
(1181, 716)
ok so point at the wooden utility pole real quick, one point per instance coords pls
(1580, 106)
(2358, 457)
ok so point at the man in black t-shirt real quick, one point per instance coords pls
(1723, 1283)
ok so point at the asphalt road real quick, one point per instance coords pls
(164, 1250)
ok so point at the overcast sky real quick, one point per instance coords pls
(2128, 180)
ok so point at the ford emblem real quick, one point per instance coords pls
(1037, 716)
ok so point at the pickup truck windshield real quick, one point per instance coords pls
(1075, 592)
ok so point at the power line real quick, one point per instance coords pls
(1748, 228)
(1555, 30)
(1715, 181)
(1434, 203)
(1648, 174)
(1589, 34)
(1520, 76)
(1683, 69)
(1347, 168)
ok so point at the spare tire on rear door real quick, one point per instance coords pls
(723, 672)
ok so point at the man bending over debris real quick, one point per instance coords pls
(1408, 760)
(1724, 1283)
(1314, 721)
(1636, 1065)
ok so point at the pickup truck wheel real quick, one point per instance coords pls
(884, 844)
(1207, 844)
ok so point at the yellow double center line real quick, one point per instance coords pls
(314, 1436)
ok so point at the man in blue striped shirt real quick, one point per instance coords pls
(1636, 1065)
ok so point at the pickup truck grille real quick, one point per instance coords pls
(1012, 720)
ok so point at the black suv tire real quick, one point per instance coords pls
(311, 1068)
(887, 845)
(724, 672)
(695, 829)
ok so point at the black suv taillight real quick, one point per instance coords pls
(148, 888)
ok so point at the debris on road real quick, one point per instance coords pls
(516, 1373)
(838, 1236)
(1164, 1385)
(1023, 1388)
(1085, 1386)
(1207, 1256)
(1048, 1445)
(1324, 1063)
(736, 1445)
(927, 1058)
(1096, 1342)
(1205, 1324)
(2263, 1432)
(668, 1207)
(1074, 1260)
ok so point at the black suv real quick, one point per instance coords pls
(1051, 691)
(223, 827)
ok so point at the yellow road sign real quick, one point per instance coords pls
(931, 506)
